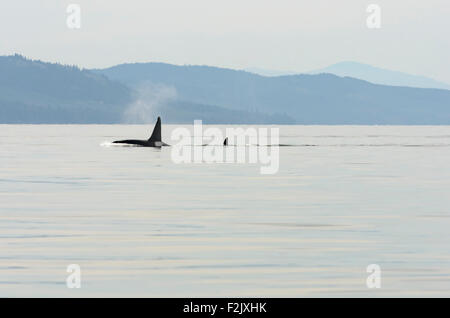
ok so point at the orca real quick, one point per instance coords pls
(153, 141)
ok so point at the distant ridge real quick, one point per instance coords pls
(380, 76)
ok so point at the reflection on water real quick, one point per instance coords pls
(140, 225)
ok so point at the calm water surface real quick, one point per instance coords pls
(140, 225)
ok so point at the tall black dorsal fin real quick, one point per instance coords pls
(225, 142)
(156, 135)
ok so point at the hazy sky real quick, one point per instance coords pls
(292, 35)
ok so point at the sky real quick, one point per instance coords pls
(289, 35)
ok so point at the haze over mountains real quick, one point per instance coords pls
(38, 92)
(380, 76)
(364, 72)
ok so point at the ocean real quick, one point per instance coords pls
(138, 224)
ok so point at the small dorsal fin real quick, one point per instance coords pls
(225, 142)
(156, 135)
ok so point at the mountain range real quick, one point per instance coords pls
(38, 92)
